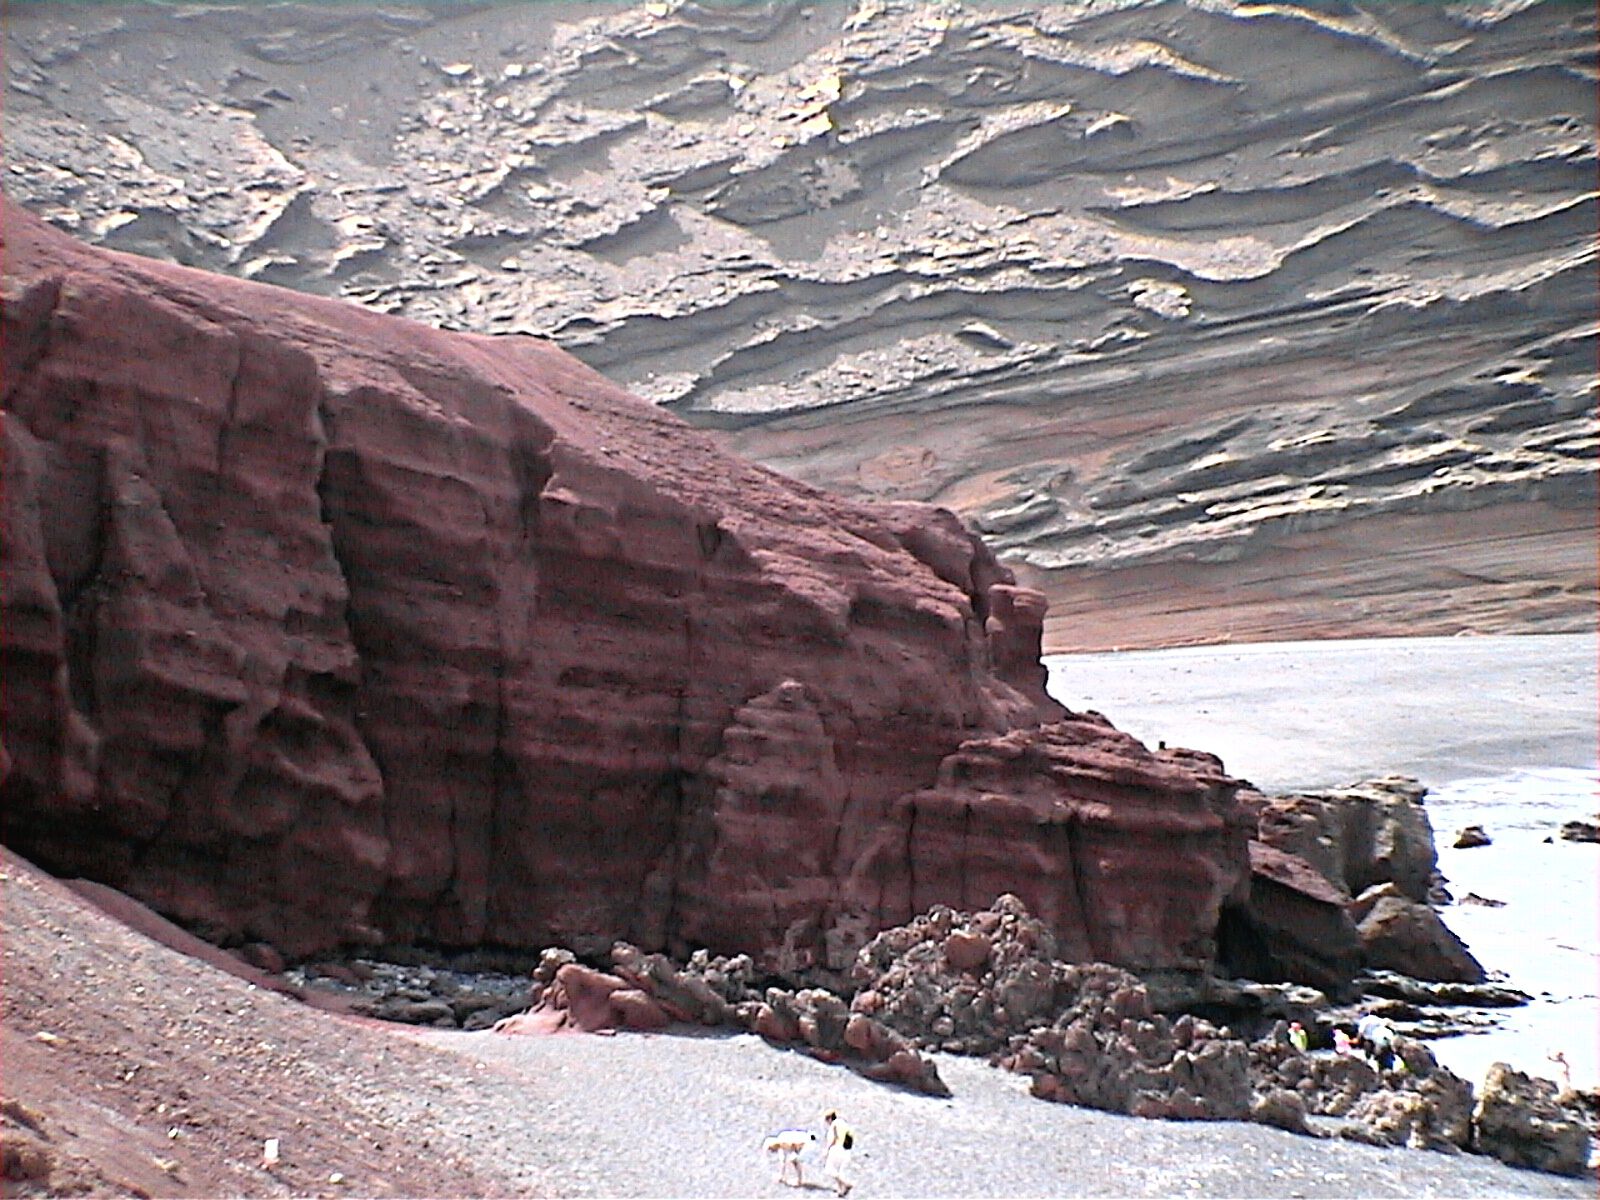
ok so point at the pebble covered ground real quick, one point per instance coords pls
(136, 1067)
(684, 1115)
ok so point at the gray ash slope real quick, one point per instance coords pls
(1218, 319)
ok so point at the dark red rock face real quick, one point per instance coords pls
(321, 627)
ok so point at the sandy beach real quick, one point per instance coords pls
(669, 1115)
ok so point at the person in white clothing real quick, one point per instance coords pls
(841, 1149)
(1377, 1037)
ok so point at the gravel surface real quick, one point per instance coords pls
(684, 1115)
(162, 1076)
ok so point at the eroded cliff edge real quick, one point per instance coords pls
(323, 627)
(1222, 321)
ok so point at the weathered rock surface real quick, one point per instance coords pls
(1372, 832)
(461, 996)
(1470, 837)
(1403, 987)
(1518, 1121)
(1290, 304)
(322, 627)
(1423, 1106)
(993, 982)
(1401, 935)
(650, 992)
(1075, 810)
(1320, 862)
(1581, 831)
(1295, 926)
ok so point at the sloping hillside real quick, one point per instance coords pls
(1219, 320)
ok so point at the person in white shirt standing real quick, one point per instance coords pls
(841, 1149)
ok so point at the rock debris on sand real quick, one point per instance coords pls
(402, 1112)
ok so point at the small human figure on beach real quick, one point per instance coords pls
(1559, 1057)
(1342, 1045)
(1297, 1036)
(1377, 1037)
(787, 1145)
(841, 1149)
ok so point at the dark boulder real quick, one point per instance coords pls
(1402, 935)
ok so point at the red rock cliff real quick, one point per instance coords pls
(321, 627)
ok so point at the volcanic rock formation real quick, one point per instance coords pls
(1520, 1120)
(1340, 879)
(322, 627)
(1226, 320)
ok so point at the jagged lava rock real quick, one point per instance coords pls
(1518, 1120)
(1084, 1033)
(1424, 1106)
(322, 627)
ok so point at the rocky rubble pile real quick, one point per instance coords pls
(991, 982)
(1526, 1122)
(1109, 1050)
(419, 993)
(649, 992)
(1417, 1103)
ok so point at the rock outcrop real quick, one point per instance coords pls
(1227, 321)
(1401, 935)
(993, 982)
(324, 628)
(1339, 880)
(1370, 833)
(1470, 837)
(1581, 831)
(1423, 1106)
(1295, 926)
(1518, 1120)
(648, 992)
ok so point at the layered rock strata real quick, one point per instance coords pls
(1227, 320)
(322, 627)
